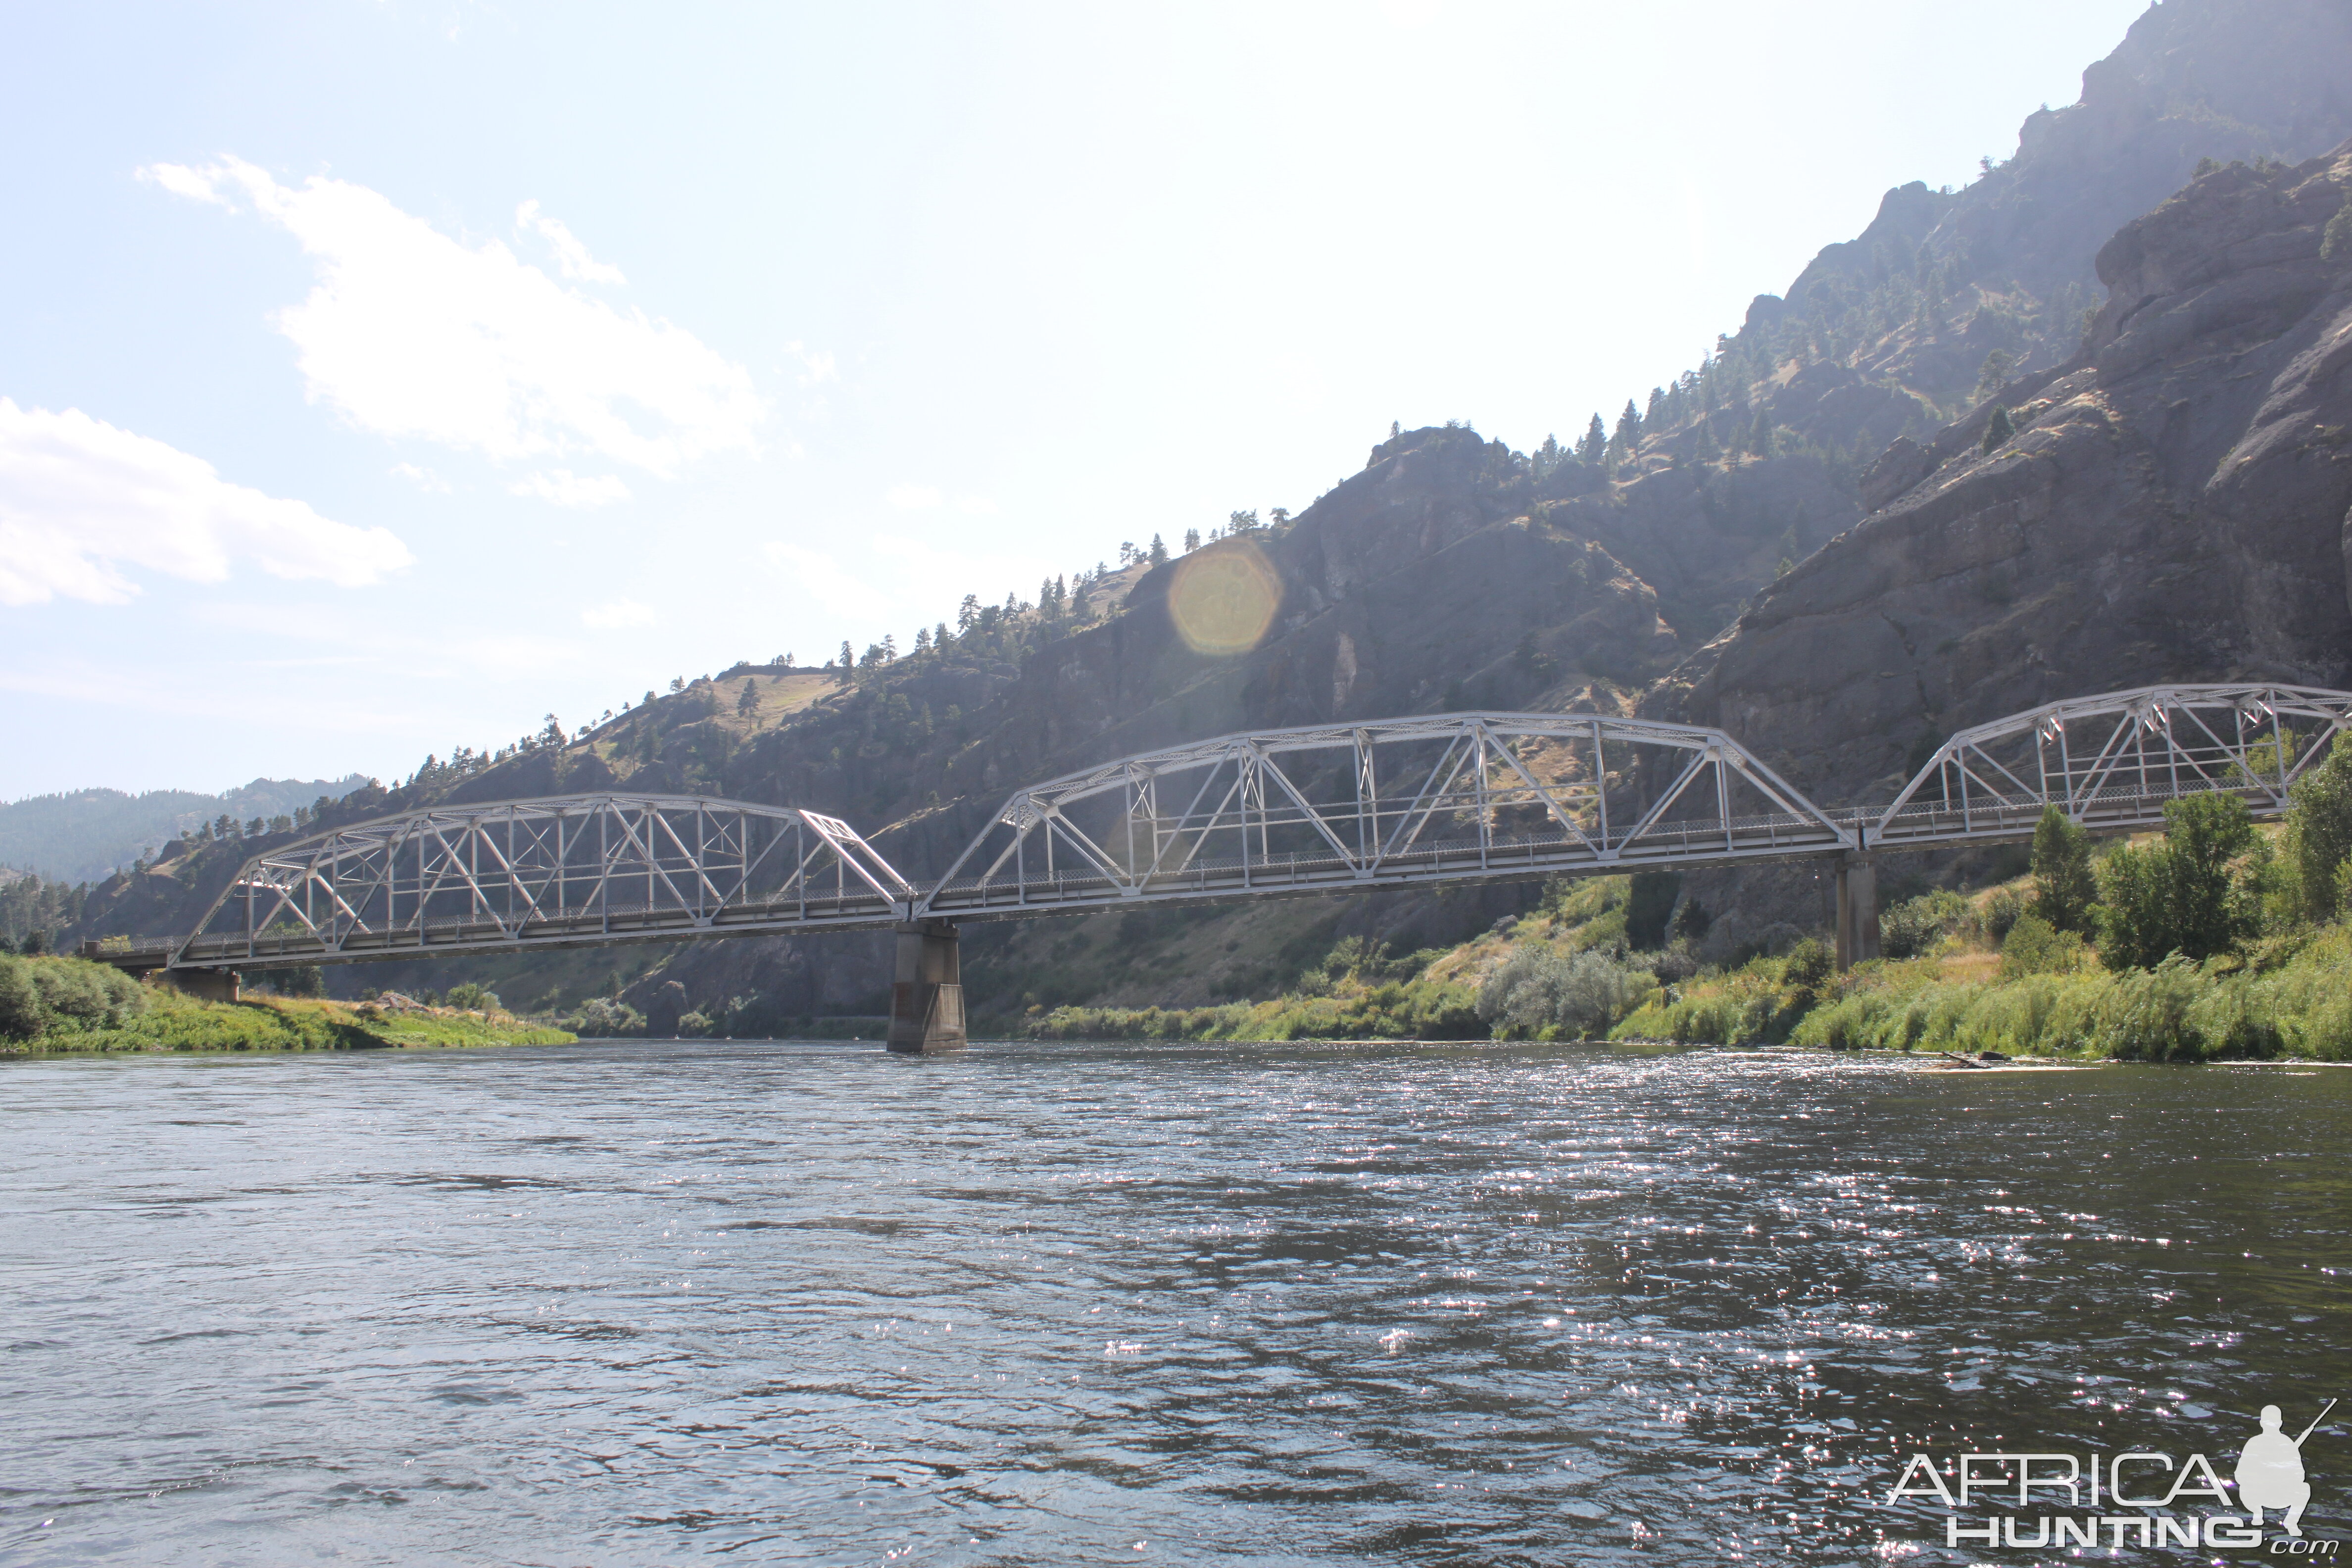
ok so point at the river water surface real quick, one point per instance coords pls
(756, 1303)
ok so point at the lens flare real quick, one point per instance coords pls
(1224, 598)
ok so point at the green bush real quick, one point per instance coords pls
(2180, 1010)
(2034, 947)
(602, 1015)
(1918, 926)
(2002, 912)
(1540, 992)
(46, 996)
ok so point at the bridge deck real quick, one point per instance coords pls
(1317, 810)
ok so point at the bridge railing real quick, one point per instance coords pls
(1439, 797)
(1444, 795)
(2113, 761)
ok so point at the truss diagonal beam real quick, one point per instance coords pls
(1266, 813)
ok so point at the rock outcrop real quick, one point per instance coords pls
(2172, 507)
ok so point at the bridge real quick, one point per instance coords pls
(1319, 809)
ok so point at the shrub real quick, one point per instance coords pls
(1579, 996)
(470, 997)
(1918, 926)
(2002, 912)
(21, 1015)
(2034, 947)
(601, 1015)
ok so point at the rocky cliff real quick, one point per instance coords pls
(1800, 539)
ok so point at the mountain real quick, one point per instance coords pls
(85, 834)
(1750, 544)
(2175, 505)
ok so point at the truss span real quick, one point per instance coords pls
(565, 872)
(1445, 798)
(2112, 762)
(1448, 797)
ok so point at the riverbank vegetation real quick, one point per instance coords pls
(66, 1005)
(2216, 938)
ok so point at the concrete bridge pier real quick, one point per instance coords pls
(205, 984)
(1857, 911)
(927, 997)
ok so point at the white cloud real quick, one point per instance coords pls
(409, 333)
(620, 613)
(80, 500)
(978, 506)
(423, 479)
(816, 364)
(564, 487)
(570, 254)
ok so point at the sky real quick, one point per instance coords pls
(377, 378)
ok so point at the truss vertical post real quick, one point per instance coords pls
(1600, 783)
(1486, 828)
(2278, 750)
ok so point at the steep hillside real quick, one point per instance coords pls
(1452, 572)
(2176, 504)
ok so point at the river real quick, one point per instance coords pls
(628, 1302)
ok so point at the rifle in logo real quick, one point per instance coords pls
(2270, 1470)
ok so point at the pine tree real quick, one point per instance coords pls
(1192, 540)
(2335, 240)
(1629, 426)
(1595, 442)
(1998, 430)
(848, 662)
(1159, 554)
(749, 700)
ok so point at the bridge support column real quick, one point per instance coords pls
(1857, 911)
(927, 998)
(205, 984)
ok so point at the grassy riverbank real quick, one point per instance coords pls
(51, 1006)
(2219, 938)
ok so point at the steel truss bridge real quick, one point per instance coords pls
(1449, 798)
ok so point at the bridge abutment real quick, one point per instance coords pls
(205, 984)
(1857, 911)
(927, 996)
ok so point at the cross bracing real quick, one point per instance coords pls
(1443, 798)
(566, 871)
(2112, 762)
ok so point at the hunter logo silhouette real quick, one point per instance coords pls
(2270, 1470)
